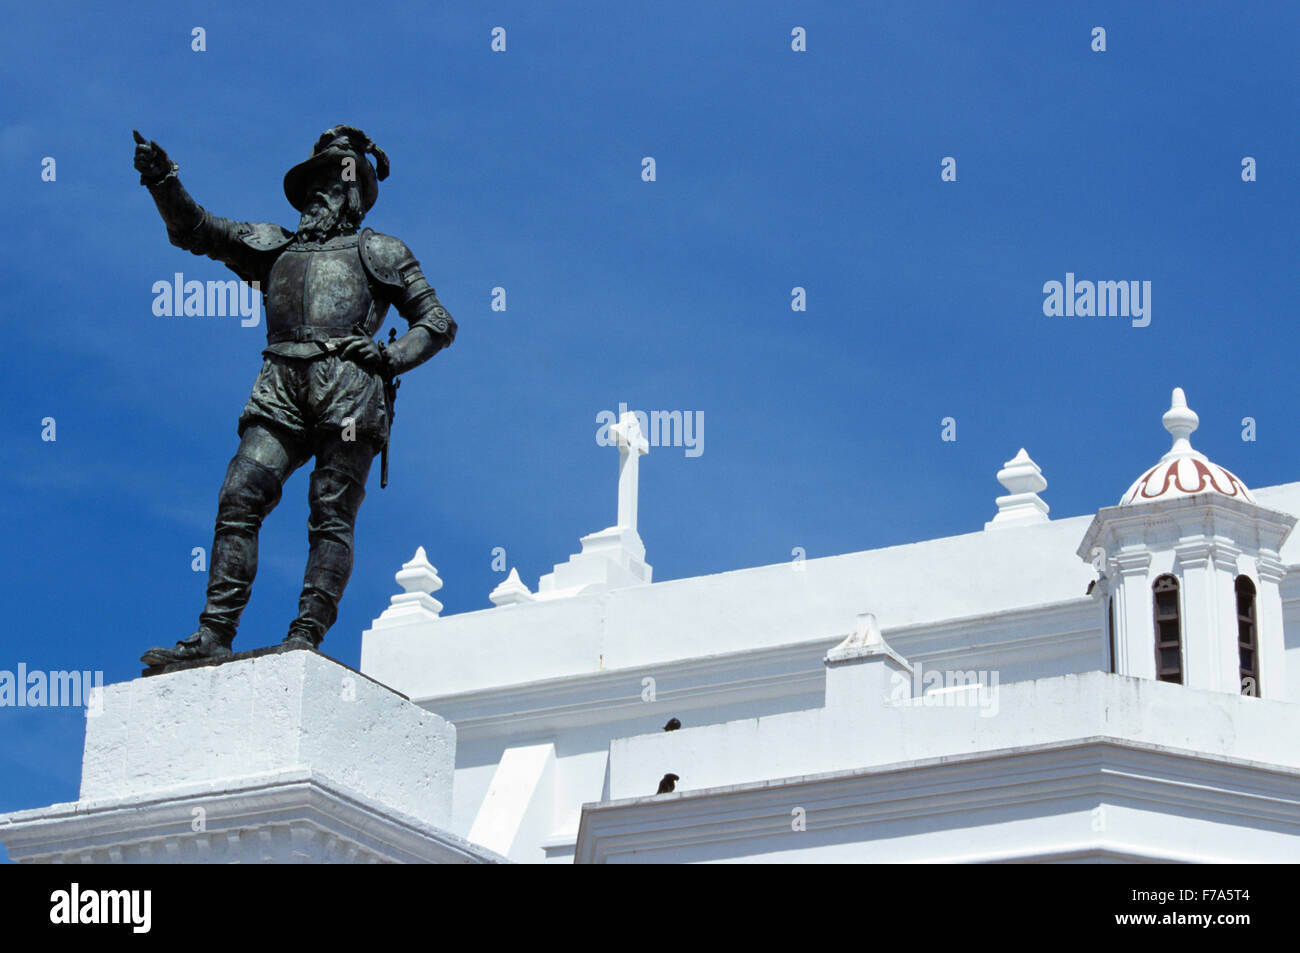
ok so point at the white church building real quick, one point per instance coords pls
(1120, 686)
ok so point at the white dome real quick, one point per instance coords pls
(1183, 471)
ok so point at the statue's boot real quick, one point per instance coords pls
(299, 640)
(203, 644)
(334, 496)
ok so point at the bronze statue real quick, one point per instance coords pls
(325, 389)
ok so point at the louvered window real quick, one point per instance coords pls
(1247, 644)
(1168, 624)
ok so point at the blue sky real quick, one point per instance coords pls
(522, 169)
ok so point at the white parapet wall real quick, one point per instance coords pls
(862, 732)
(278, 758)
(1079, 767)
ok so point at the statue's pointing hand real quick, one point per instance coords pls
(150, 160)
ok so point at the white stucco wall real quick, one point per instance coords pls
(732, 652)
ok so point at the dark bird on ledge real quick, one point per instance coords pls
(673, 725)
(667, 784)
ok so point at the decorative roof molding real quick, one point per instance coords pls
(865, 641)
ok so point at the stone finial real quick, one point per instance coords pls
(418, 575)
(1181, 422)
(512, 591)
(418, 578)
(1023, 480)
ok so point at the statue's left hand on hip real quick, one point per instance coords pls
(363, 351)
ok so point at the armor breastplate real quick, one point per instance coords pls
(321, 286)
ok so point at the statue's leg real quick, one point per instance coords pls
(254, 479)
(338, 485)
(251, 489)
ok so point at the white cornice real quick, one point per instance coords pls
(274, 805)
(1036, 780)
(1162, 522)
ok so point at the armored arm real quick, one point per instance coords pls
(432, 328)
(180, 213)
(241, 246)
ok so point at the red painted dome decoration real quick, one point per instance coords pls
(1183, 471)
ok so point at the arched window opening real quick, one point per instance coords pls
(1247, 640)
(1168, 625)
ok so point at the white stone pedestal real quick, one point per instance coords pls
(286, 757)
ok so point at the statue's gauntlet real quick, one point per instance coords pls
(410, 350)
(426, 313)
(180, 213)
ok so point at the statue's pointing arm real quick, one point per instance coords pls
(432, 328)
(241, 246)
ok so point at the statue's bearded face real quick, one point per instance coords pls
(333, 207)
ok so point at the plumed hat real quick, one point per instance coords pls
(334, 145)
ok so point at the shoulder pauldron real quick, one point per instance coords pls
(377, 259)
(264, 236)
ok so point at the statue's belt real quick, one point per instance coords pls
(309, 334)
